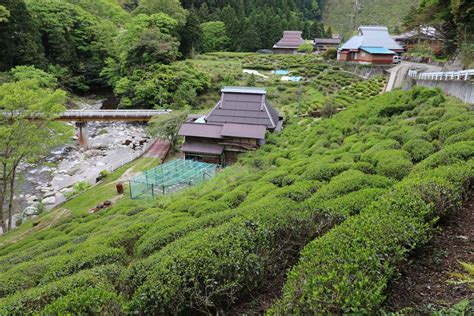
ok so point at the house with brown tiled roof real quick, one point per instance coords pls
(238, 123)
(289, 43)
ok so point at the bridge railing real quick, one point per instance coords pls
(445, 75)
(113, 113)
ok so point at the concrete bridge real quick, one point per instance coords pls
(81, 117)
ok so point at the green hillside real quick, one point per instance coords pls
(386, 168)
(344, 16)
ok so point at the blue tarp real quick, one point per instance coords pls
(377, 50)
(281, 72)
(295, 78)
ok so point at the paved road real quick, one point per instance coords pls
(399, 72)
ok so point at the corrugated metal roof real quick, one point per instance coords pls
(200, 130)
(203, 148)
(290, 39)
(244, 131)
(372, 36)
(377, 50)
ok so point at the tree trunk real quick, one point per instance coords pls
(12, 193)
(3, 192)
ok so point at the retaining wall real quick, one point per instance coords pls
(464, 90)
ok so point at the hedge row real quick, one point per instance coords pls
(347, 270)
(215, 244)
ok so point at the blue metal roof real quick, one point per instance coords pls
(377, 50)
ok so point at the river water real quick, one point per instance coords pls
(111, 144)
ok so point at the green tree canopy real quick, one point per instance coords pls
(27, 130)
(172, 8)
(4, 14)
(214, 37)
(19, 36)
(73, 39)
(306, 48)
(167, 126)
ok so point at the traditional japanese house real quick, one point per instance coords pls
(323, 44)
(427, 36)
(289, 43)
(372, 44)
(238, 123)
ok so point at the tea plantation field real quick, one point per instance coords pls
(335, 203)
(324, 83)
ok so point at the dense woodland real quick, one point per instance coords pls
(93, 44)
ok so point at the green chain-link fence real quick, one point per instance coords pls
(170, 177)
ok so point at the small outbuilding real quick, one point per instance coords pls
(323, 44)
(372, 44)
(289, 43)
(238, 123)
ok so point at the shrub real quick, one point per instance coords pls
(79, 187)
(92, 301)
(419, 149)
(350, 181)
(347, 270)
(211, 269)
(450, 154)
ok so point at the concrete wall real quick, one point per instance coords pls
(464, 90)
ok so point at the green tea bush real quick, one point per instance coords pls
(90, 301)
(34, 299)
(345, 181)
(462, 136)
(347, 270)
(213, 268)
(350, 181)
(419, 149)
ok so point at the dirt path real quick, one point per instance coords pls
(423, 283)
(159, 149)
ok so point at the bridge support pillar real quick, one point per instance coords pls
(82, 134)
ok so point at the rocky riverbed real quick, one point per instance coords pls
(46, 184)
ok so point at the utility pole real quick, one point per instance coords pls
(300, 91)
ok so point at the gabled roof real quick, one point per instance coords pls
(221, 131)
(377, 50)
(244, 131)
(372, 36)
(290, 39)
(200, 130)
(327, 41)
(202, 148)
(241, 105)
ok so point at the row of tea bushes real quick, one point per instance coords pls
(213, 245)
(348, 269)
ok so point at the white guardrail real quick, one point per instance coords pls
(112, 113)
(447, 75)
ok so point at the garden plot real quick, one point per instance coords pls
(170, 177)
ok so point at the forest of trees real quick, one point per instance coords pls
(132, 45)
